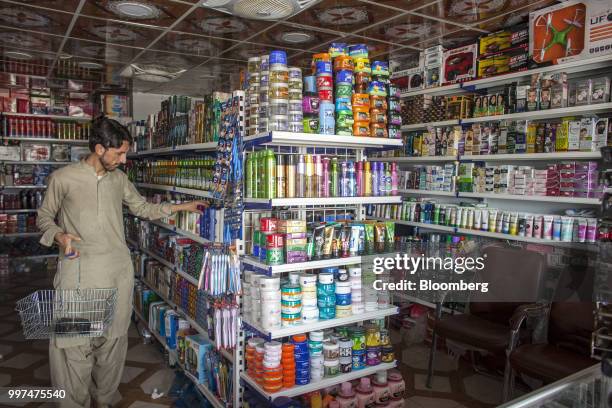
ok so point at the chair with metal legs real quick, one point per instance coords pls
(513, 274)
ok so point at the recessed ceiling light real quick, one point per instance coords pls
(296, 37)
(64, 56)
(134, 9)
(90, 65)
(18, 55)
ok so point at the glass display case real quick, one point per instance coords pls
(588, 388)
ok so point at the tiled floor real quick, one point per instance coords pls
(22, 362)
(26, 361)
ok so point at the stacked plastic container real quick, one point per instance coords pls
(291, 305)
(378, 99)
(310, 105)
(326, 296)
(395, 113)
(310, 311)
(264, 93)
(270, 295)
(296, 116)
(278, 96)
(272, 368)
(357, 304)
(253, 95)
(302, 359)
(343, 83)
(325, 91)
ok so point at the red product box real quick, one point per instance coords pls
(268, 224)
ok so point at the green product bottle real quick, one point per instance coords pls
(249, 176)
(261, 171)
(270, 175)
(333, 176)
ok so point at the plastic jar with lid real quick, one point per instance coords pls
(253, 64)
(331, 351)
(344, 311)
(276, 108)
(397, 386)
(279, 76)
(372, 336)
(380, 385)
(359, 339)
(343, 288)
(327, 313)
(331, 368)
(278, 91)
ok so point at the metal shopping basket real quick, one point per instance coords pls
(67, 312)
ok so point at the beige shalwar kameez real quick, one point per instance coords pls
(90, 207)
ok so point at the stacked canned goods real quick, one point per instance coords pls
(343, 73)
(264, 93)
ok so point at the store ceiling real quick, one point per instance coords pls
(210, 45)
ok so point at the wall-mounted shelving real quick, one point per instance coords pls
(174, 189)
(263, 203)
(57, 117)
(45, 140)
(197, 147)
(278, 138)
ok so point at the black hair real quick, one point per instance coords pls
(108, 133)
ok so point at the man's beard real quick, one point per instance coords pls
(107, 167)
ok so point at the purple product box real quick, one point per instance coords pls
(295, 235)
(296, 257)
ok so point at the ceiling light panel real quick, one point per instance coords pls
(159, 13)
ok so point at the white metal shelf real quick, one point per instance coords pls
(45, 140)
(322, 324)
(498, 235)
(533, 156)
(57, 117)
(545, 114)
(415, 159)
(314, 386)
(277, 138)
(192, 322)
(261, 267)
(318, 201)
(21, 235)
(207, 393)
(571, 67)
(550, 199)
(436, 227)
(27, 211)
(34, 257)
(445, 90)
(179, 231)
(174, 189)
(427, 192)
(195, 147)
(34, 163)
(421, 126)
(167, 264)
(28, 187)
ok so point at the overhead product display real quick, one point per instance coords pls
(388, 196)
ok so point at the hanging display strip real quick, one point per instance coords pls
(224, 347)
(232, 120)
(220, 273)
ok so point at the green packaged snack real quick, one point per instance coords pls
(344, 91)
(345, 120)
(369, 238)
(389, 235)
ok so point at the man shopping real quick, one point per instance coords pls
(87, 199)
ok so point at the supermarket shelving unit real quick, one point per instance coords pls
(232, 357)
(302, 143)
(581, 67)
